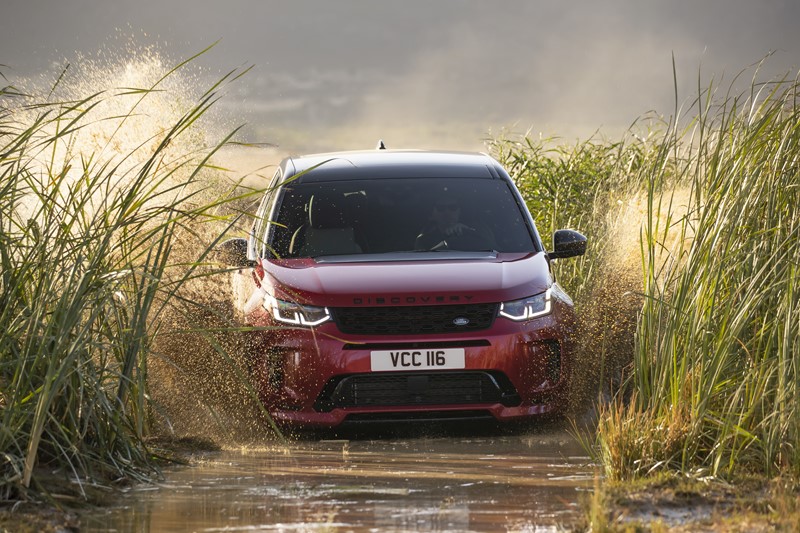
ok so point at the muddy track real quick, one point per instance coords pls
(528, 480)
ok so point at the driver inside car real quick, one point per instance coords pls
(446, 231)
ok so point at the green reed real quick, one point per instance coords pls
(573, 186)
(714, 378)
(87, 270)
(718, 337)
(690, 280)
(588, 187)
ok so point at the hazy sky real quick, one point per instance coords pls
(436, 73)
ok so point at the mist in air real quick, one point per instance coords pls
(446, 74)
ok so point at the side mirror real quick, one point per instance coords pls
(567, 243)
(233, 252)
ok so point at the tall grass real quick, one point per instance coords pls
(718, 341)
(591, 187)
(89, 225)
(690, 281)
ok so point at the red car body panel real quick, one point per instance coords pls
(322, 375)
(311, 357)
(505, 278)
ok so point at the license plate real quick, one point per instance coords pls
(422, 359)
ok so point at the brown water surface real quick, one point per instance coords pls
(527, 481)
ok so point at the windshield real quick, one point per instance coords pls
(384, 216)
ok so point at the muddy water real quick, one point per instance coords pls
(526, 481)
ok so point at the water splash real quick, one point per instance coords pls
(611, 306)
(114, 115)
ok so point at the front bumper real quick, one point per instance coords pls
(322, 377)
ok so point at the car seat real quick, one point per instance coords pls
(326, 232)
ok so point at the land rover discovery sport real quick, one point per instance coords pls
(402, 285)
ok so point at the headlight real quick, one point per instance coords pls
(527, 308)
(296, 314)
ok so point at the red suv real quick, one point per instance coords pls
(402, 285)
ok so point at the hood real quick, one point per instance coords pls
(502, 278)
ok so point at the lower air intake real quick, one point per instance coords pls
(394, 389)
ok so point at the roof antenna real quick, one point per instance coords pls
(380, 146)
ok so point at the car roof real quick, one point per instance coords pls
(373, 164)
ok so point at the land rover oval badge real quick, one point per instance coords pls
(461, 321)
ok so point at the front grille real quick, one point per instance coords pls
(414, 320)
(391, 389)
(426, 345)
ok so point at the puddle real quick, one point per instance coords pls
(524, 482)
